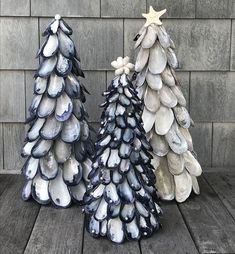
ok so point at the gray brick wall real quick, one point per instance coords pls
(204, 34)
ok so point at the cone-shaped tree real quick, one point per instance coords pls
(121, 201)
(166, 120)
(58, 143)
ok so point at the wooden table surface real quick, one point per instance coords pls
(203, 224)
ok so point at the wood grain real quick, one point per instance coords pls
(12, 96)
(210, 224)
(104, 246)
(73, 8)
(95, 82)
(57, 231)
(123, 8)
(223, 144)
(174, 229)
(223, 183)
(215, 9)
(175, 9)
(15, 8)
(17, 217)
(212, 96)
(5, 180)
(18, 43)
(29, 88)
(202, 140)
(1, 146)
(13, 136)
(232, 64)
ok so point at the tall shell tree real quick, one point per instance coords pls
(120, 203)
(57, 144)
(166, 119)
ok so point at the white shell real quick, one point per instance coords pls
(183, 186)
(51, 46)
(176, 140)
(179, 95)
(163, 37)
(34, 130)
(56, 85)
(141, 90)
(148, 119)
(167, 97)
(115, 231)
(78, 191)
(98, 191)
(196, 188)
(139, 40)
(59, 192)
(139, 81)
(101, 212)
(48, 166)
(159, 145)
(154, 81)
(40, 189)
(175, 163)
(167, 77)
(31, 168)
(64, 107)
(62, 151)
(171, 58)
(71, 171)
(149, 38)
(163, 121)
(26, 149)
(151, 100)
(142, 59)
(164, 181)
(71, 130)
(155, 161)
(182, 116)
(191, 164)
(157, 59)
(187, 136)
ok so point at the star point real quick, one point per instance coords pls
(153, 16)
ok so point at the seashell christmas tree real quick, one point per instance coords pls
(120, 203)
(165, 117)
(58, 143)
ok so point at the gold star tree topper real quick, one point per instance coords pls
(153, 16)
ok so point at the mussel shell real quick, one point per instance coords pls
(66, 45)
(62, 150)
(51, 128)
(58, 191)
(63, 66)
(48, 166)
(64, 107)
(40, 190)
(71, 130)
(47, 67)
(56, 86)
(51, 46)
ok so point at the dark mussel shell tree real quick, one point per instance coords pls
(120, 201)
(58, 143)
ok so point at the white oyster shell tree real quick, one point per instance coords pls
(166, 119)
